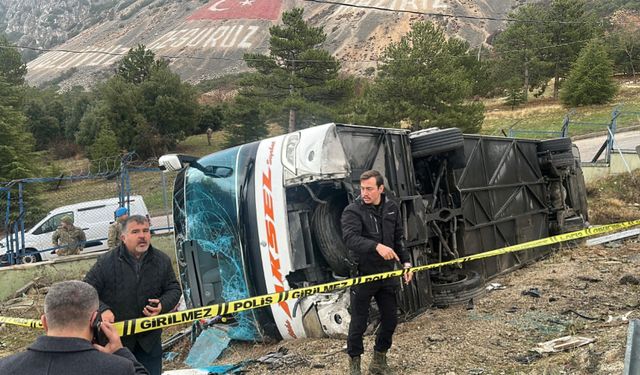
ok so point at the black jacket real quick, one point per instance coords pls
(125, 292)
(69, 356)
(365, 226)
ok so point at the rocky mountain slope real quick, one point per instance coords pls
(205, 39)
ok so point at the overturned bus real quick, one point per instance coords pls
(264, 217)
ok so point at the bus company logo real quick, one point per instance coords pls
(238, 9)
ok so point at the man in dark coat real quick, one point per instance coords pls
(372, 231)
(70, 308)
(133, 280)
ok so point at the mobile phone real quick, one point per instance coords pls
(153, 304)
(98, 336)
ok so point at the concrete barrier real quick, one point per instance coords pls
(596, 171)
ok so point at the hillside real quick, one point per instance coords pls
(208, 39)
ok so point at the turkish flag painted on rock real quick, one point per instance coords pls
(238, 9)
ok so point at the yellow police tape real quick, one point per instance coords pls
(31, 323)
(133, 326)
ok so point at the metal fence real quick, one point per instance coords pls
(618, 119)
(88, 192)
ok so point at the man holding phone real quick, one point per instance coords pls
(70, 313)
(134, 280)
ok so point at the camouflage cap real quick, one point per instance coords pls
(67, 219)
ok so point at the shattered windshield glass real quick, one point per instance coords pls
(211, 209)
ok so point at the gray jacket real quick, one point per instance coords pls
(70, 356)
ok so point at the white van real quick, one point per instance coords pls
(94, 217)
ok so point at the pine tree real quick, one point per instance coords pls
(568, 25)
(210, 117)
(169, 106)
(244, 123)
(136, 66)
(423, 82)
(16, 143)
(591, 78)
(11, 66)
(297, 83)
(146, 105)
(17, 158)
(106, 144)
(520, 48)
(515, 94)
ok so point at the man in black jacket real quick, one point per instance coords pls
(133, 280)
(372, 230)
(70, 308)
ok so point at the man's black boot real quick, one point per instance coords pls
(354, 366)
(379, 364)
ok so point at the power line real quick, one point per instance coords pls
(544, 47)
(443, 15)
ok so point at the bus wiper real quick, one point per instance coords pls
(176, 162)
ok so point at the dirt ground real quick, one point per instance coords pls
(580, 294)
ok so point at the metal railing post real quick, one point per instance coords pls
(565, 126)
(164, 198)
(7, 227)
(21, 215)
(612, 133)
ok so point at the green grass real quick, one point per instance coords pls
(548, 115)
(147, 184)
(167, 245)
(196, 145)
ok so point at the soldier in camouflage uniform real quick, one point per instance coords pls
(70, 238)
(115, 229)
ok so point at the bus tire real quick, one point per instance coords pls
(325, 225)
(465, 285)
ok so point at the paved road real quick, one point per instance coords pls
(161, 222)
(589, 146)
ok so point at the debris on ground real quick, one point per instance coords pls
(533, 292)
(562, 343)
(619, 318)
(526, 359)
(629, 280)
(589, 279)
(20, 303)
(495, 286)
(208, 347)
(20, 292)
(613, 237)
(282, 359)
(583, 316)
(176, 338)
(496, 335)
(210, 370)
(169, 356)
